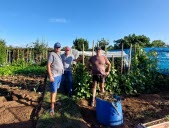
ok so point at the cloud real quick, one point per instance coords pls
(58, 20)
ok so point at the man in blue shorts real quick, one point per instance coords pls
(55, 70)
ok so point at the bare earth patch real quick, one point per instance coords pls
(138, 109)
(18, 102)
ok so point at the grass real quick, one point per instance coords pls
(66, 116)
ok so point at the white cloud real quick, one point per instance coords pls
(58, 20)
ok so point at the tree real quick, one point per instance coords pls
(141, 40)
(110, 47)
(39, 48)
(158, 43)
(103, 43)
(2, 51)
(78, 44)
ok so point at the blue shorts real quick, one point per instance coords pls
(56, 84)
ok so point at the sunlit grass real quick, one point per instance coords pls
(66, 116)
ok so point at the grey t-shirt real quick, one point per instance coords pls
(56, 64)
(67, 62)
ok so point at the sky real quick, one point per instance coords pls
(24, 21)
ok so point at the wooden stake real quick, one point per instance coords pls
(112, 60)
(122, 59)
(7, 56)
(93, 49)
(105, 50)
(83, 54)
(129, 59)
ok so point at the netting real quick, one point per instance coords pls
(163, 59)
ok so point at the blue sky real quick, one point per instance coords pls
(24, 21)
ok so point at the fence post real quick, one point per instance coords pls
(93, 48)
(129, 61)
(83, 54)
(122, 59)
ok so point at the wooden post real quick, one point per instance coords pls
(105, 50)
(27, 55)
(6, 55)
(93, 49)
(33, 55)
(134, 48)
(47, 54)
(112, 60)
(83, 54)
(17, 55)
(10, 56)
(23, 57)
(122, 59)
(129, 59)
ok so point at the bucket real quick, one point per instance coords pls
(109, 113)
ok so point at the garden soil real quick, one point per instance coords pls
(136, 109)
(18, 110)
(18, 101)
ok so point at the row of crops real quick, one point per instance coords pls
(142, 78)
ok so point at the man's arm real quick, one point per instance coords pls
(108, 67)
(51, 79)
(50, 60)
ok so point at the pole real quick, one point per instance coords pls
(129, 61)
(83, 54)
(93, 48)
(112, 60)
(122, 59)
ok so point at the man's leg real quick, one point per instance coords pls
(70, 82)
(101, 87)
(94, 93)
(101, 83)
(53, 88)
(63, 83)
(53, 97)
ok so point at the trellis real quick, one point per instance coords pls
(25, 54)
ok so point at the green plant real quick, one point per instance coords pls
(144, 71)
(2, 52)
(82, 81)
(112, 82)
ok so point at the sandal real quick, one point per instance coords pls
(52, 112)
(93, 104)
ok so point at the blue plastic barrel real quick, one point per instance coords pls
(109, 113)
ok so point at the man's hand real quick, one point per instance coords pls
(106, 73)
(51, 79)
(90, 72)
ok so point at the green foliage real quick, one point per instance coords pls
(78, 44)
(82, 81)
(103, 43)
(39, 46)
(144, 71)
(43, 62)
(140, 40)
(24, 70)
(2, 51)
(158, 43)
(112, 83)
(110, 47)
